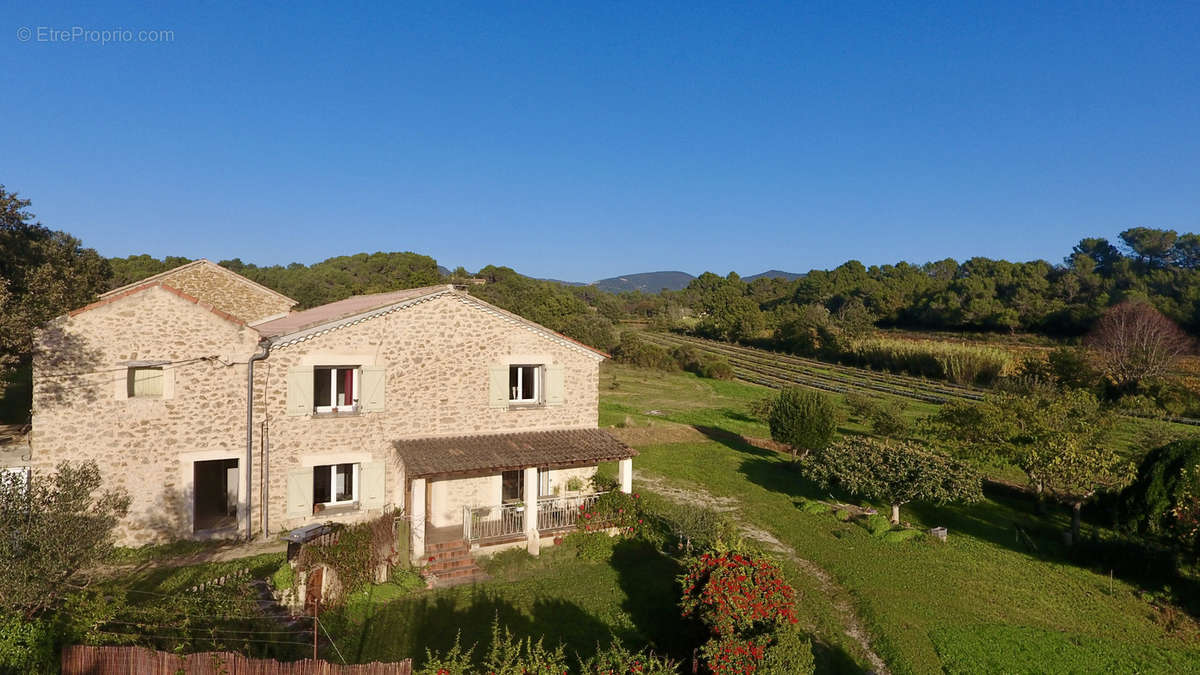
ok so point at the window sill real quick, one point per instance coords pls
(525, 405)
(332, 415)
(337, 510)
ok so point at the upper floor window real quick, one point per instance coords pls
(335, 388)
(144, 382)
(524, 384)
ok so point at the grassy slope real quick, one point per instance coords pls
(559, 597)
(930, 606)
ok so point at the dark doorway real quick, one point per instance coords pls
(215, 484)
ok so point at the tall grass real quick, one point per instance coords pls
(958, 363)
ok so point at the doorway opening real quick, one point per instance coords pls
(215, 485)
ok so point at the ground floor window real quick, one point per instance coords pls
(543, 482)
(335, 484)
(512, 486)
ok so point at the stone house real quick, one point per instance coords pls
(225, 414)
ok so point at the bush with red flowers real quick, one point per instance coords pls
(614, 510)
(751, 611)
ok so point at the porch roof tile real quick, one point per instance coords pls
(425, 457)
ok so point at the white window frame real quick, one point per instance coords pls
(332, 468)
(544, 483)
(333, 370)
(515, 393)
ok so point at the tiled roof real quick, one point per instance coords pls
(109, 298)
(431, 457)
(342, 309)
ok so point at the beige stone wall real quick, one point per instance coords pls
(144, 446)
(448, 497)
(560, 477)
(436, 355)
(227, 292)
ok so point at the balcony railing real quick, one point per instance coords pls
(483, 523)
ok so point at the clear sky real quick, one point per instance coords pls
(580, 140)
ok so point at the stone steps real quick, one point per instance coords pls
(451, 564)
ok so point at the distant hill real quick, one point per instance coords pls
(564, 283)
(774, 274)
(647, 282)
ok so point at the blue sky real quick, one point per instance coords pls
(586, 140)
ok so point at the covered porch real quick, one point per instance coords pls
(501, 489)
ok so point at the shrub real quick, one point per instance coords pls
(617, 660)
(612, 510)
(861, 405)
(26, 645)
(760, 409)
(635, 351)
(592, 546)
(283, 578)
(686, 528)
(509, 655)
(789, 652)
(1147, 504)
(803, 420)
(878, 524)
(454, 661)
(735, 594)
(407, 579)
(842, 515)
(692, 360)
(888, 420)
(355, 552)
(814, 506)
(1072, 368)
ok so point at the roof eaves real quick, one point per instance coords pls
(157, 284)
(195, 263)
(296, 337)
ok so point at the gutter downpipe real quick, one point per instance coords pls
(264, 351)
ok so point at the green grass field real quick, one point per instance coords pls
(985, 601)
(557, 596)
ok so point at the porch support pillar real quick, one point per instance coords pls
(416, 524)
(531, 510)
(625, 475)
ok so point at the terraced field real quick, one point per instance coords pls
(773, 369)
(778, 370)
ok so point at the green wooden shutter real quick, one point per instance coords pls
(300, 391)
(498, 386)
(300, 493)
(371, 389)
(554, 384)
(372, 477)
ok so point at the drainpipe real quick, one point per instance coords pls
(264, 351)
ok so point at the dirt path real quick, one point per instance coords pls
(838, 596)
(217, 554)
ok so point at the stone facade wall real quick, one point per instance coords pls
(80, 411)
(227, 292)
(437, 355)
(448, 497)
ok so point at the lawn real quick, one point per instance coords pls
(557, 596)
(984, 601)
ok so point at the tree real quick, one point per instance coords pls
(802, 419)
(43, 273)
(1078, 467)
(1134, 341)
(1151, 246)
(1042, 430)
(53, 526)
(897, 472)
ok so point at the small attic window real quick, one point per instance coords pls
(144, 382)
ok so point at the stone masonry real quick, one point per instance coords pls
(436, 355)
